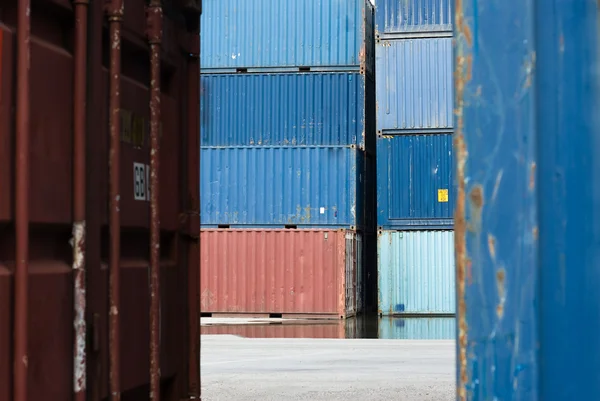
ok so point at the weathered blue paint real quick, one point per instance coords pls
(287, 109)
(415, 271)
(287, 33)
(420, 328)
(413, 171)
(394, 18)
(528, 173)
(262, 186)
(414, 84)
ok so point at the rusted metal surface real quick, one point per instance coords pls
(79, 191)
(461, 75)
(301, 272)
(154, 25)
(114, 12)
(21, 280)
(68, 185)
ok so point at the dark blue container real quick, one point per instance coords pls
(414, 85)
(397, 18)
(279, 186)
(527, 232)
(415, 180)
(302, 109)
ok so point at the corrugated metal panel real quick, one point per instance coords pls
(282, 186)
(414, 84)
(413, 16)
(285, 109)
(279, 271)
(286, 33)
(416, 272)
(439, 328)
(415, 179)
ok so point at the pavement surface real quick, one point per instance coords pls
(243, 369)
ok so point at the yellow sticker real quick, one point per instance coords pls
(442, 195)
(138, 131)
(126, 126)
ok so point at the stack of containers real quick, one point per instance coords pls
(415, 185)
(287, 122)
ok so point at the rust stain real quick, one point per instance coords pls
(492, 246)
(535, 233)
(532, 176)
(500, 282)
(462, 74)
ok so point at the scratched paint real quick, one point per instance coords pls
(526, 218)
(279, 186)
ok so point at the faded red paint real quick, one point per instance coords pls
(332, 330)
(68, 207)
(290, 272)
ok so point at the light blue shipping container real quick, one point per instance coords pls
(279, 34)
(414, 85)
(420, 328)
(287, 109)
(415, 181)
(401, 18)
(279, 186)
(416, 272)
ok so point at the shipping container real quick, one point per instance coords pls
(302, 330)
(81, 255)
(287, 109)
(420, 328)
(280, 272)
(282, 186)
(414, 85)
(287, 35)
(415, 271)
(527, 226)
(410, 18)
(415, 181)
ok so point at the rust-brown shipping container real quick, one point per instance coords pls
(289, 273)
(99, 185)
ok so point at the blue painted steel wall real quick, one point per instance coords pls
(528, 172)
(415, 271)
(413, 17)
(420, 328)
(411, 169)
(286, 109)
(414, 84)
(263, 186)
(286, 33)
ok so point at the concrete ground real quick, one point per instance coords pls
(242, 369)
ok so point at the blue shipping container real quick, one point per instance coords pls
(395, 18)
(287, 109)
(527, 216)
(419, 328)
(415, 271)
(256, 186)
(336, 34)
(415, 181)
(414, 84)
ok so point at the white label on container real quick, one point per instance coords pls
(139, 181)
(322, 210)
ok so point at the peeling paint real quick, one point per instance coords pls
(492, 246)
(532, 176)
(79, 323)
(462, 75)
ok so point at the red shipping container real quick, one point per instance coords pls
(293, 273)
